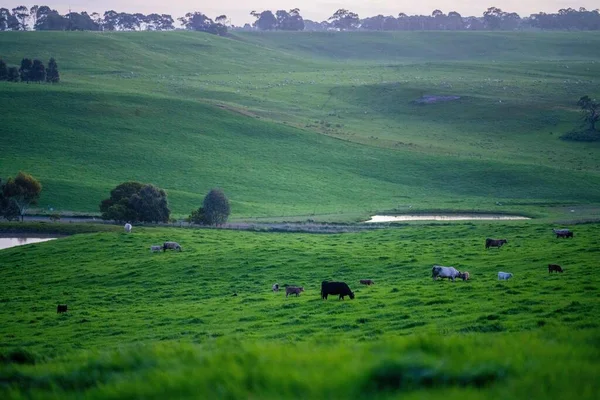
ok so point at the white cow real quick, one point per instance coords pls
(128, 227)
(504, 276)
(444, 272)
(155, 248)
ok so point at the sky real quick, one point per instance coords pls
(317, 10)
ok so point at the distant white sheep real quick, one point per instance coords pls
(128, 228)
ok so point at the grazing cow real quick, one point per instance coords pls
(504, 276)
(172, 246)
(128, 228)
(563, 233)
(444, 272)
(293, 290)
(61, 308)
(464, 276)
(276, 287)
(367, 282)
(554, 268)
(155, 248)
(336, 288)
(494, 242)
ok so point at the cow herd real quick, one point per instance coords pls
(439, 271)
(342, 289)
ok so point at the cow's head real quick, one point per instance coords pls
(351, 295)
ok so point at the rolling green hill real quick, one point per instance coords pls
(305, 123)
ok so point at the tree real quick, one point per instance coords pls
(52, 75)
(199, 22)
(50, 20)
(3, 70)
(344, 19)
(25, 70)
(38, 71)
(111, 20)
(8, 21)
(13, 74)
(265, 21)
(21, 13)
(591, 111)
(24, 190)
(166, 22)
(150, 204)
(216, 207)
(135, 201)
(493, 17)
(33, 14)
(197, 217)
(8, 208)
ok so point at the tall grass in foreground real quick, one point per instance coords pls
(548, 364)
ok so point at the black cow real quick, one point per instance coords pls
(339, 288)
(61, 308)
(563, 233)
(494, 242)
(554, 268)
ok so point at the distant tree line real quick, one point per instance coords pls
(45, 18)
(30, 71)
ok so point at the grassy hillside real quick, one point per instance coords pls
(142, 324)
(262, 115)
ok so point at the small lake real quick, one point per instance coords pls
(12, 241)
(447, 217)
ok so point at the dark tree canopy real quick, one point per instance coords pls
(25, 70)
(197, 21)
(38, 71)
(3, 70)
(265, 21)
(591, 111)
(197, 217)
(345, 20)
(136, 202)
(150, 204)
(52, 75)
(24, 190)
(8, 208)
(8, 21)
(13, 74)
(216, 207)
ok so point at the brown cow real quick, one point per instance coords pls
(367, 282)
(293, 290)
(554, 268)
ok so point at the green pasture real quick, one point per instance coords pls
(141, 323)
(297, 125)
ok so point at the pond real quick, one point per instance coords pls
(16, 240)
(447, 217)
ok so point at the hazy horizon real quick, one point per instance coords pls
(316, 10)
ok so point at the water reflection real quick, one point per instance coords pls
(449, 217)
(7, 242)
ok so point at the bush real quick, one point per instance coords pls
(197, 217)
